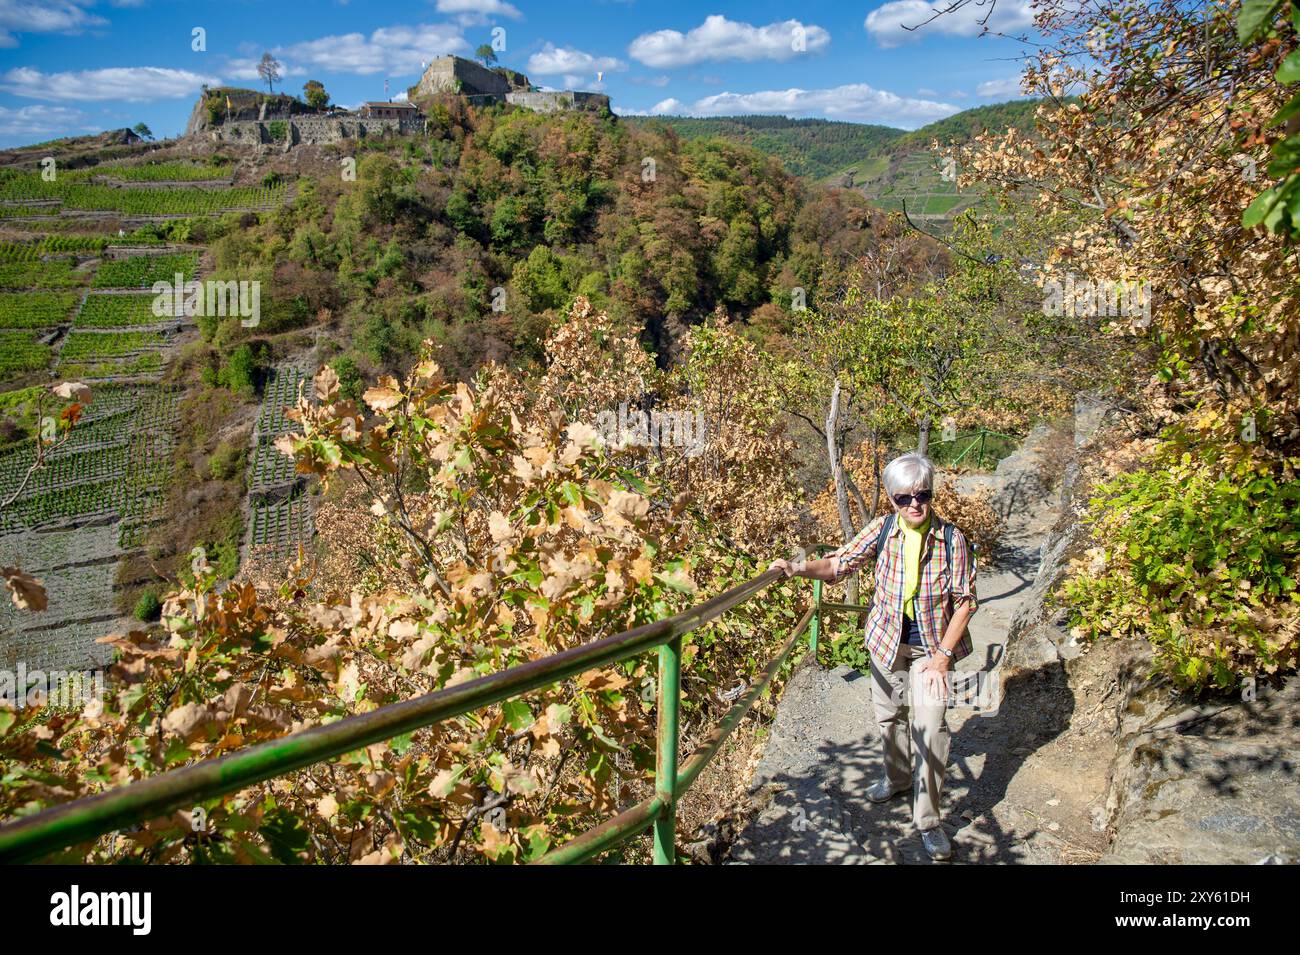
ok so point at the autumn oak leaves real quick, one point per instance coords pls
(503, 531)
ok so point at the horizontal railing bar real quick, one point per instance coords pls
(638, 818)
(709, 748)
(610, 833)
(41, 833)
(846, 608)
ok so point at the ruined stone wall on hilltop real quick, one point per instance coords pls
(315, 130)
(452, 74)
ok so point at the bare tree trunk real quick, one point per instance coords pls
(875, 471)
(923, 439)
(858, 500)
(835, 455)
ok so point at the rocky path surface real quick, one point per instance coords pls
(1018, 790)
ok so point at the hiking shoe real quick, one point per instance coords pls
(936, 844)
(882, 791)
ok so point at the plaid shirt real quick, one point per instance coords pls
(936, 596)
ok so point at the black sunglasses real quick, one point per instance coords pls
(922, 497)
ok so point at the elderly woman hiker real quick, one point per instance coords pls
(915, 632)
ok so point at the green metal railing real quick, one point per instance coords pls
(820, 606)
(979, 440)
(40, 834)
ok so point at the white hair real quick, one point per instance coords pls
(907, 471)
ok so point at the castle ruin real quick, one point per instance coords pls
(279, 121)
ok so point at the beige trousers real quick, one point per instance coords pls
(915, 749)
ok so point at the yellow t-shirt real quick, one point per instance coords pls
(912, 541)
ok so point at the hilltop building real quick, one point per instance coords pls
(228, 114)
(480, 86)
(377, 110)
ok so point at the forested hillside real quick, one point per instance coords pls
(812, 148)
(888, 166)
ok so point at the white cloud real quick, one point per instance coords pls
(391, 50)
(1004, 87)
(886, 22)
(667, 107)
(476, 13)
(924, 91)
(50, 16)
(553, 60)
(856, 102)
(28, 121)
(131, 83)
(721, 39)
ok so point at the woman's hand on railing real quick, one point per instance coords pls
(790, 568)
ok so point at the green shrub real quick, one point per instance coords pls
(1199, 553)
(148, 607)
(351, 382)
(242, 369)
(226, 461)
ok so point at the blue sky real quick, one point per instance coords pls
(69, 67)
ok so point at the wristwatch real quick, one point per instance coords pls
(946, 652)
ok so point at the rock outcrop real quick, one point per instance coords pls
(1190, 781)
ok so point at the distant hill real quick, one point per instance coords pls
(970, 122)
(886, 165)
(906, 170)
(74, 150)
(814, 148)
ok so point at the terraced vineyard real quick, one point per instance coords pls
(81, 345)
(269, 469)
(280, 394)
(117, 311)
(153, 172)
(55, 274)
(174, 201)
(278, 528)
(918, 179)
(36, 309)
(51, 244)
(114, 467)
(20, 352)
(280, 512)
(141, 271)
(22, 212)
(76, 300)
(78, 568)
(147, 365)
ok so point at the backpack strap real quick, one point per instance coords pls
(947, 547)
(885, 528)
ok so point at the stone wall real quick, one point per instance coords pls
(550, 101)
(246, 106)
(444, 73)
(313, 130)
